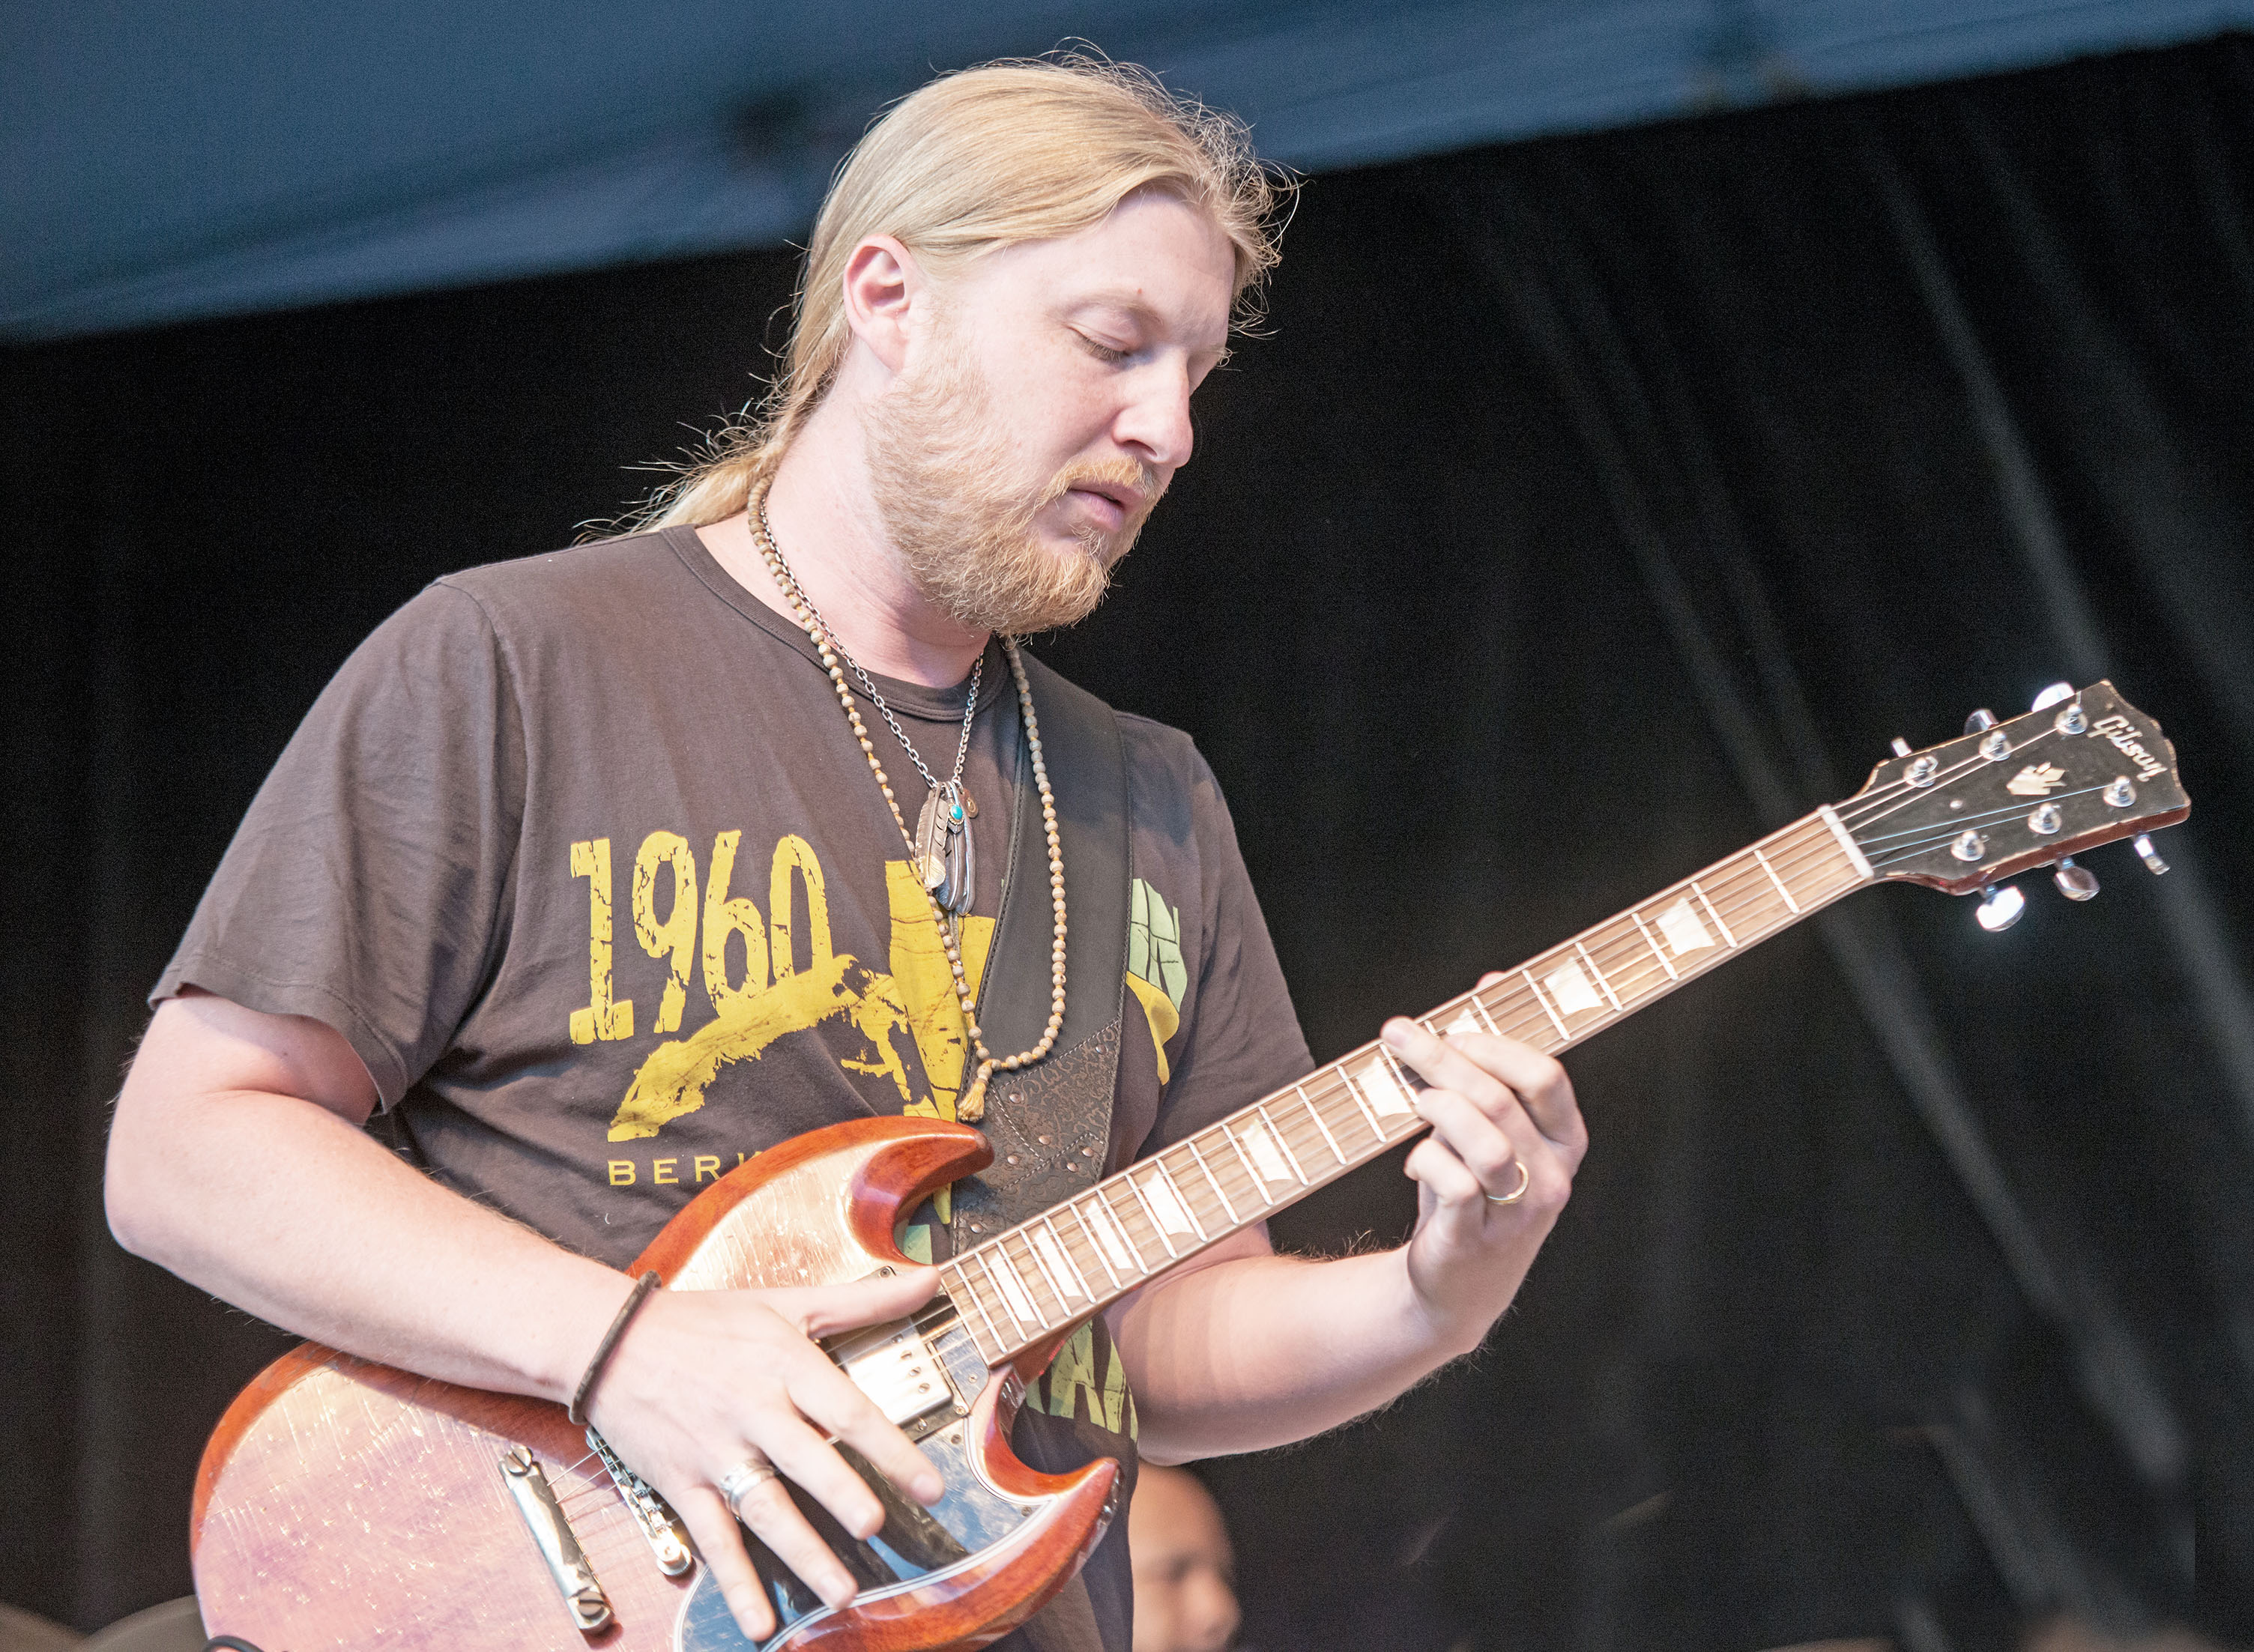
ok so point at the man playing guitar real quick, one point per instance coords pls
(578, 870)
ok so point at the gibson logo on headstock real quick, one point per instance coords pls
(2036, 779)
(2122, 734)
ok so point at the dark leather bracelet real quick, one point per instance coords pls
(628, 1309)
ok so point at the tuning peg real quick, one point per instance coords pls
(2053, 695)
(1983, 718)
(2076, 883)
(1902, 746)
(2149, 855)
(2000, 907)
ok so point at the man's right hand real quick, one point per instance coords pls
(237, 1160)
(704, 1379)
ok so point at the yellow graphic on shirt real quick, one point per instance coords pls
(790, 978)
(927, 986)
(1156, 974)
(1071, 1387)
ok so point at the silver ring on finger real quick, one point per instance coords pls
(1525, 1181)
(744, 1479)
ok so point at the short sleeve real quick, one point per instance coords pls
(1241, 1037)
(368, 885)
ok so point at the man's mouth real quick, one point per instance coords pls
(1111, 505)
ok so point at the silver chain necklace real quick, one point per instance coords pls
(942, 850)
(971, 1104)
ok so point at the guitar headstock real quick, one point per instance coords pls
(2080, 770)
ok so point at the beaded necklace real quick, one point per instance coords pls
(971, 1107)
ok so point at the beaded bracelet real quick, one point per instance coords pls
(628, 1309)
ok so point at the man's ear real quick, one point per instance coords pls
(881, 284)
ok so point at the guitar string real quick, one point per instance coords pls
(1606, 940)
(617, 1518)
(1941, 831)
(1861, 801)
(1913, 850)
(1798, 846)
(1941, 781)
(1810, 841)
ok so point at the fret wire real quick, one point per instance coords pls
(1095, 1244)
(1259, 1182)
(1521, 1026)
(1756, 907)
(1182, 1199)
(1227, 1204)
(1619, 953)
(1338, 1089)
(1599, 974)
(1519, 1023)
(1060, 1287)
(1135, 1248)
(1151, 1212)
(1277, 1131)
(1545, 1003)
(1778, 881)
(1223, 1166)
(1040, 1271)
(1355, 1090)
(1810, 854)
(1629, 964)
(1337, 1151)
(1297, 1137)
(1707, 902)
(987, 1262)
(1126, 1232)
(1079, 1274)
(971, 1291)
(1409, 1082)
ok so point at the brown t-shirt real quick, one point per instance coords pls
(579, 854)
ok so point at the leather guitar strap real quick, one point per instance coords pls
(1051, 1122)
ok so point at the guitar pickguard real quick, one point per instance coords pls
(917, 1544)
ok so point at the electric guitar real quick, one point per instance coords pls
(345, 1504)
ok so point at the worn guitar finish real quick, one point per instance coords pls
(345, 1504)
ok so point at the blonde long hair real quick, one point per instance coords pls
(1015, 151)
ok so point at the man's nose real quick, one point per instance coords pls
(1155, 423)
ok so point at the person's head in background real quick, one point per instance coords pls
(1184, 1572)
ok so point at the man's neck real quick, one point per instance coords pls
(830, 535)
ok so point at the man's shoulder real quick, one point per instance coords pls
(1156, 751)
(594, 570)
(1159, 749)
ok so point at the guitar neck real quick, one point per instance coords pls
(1024, 1285)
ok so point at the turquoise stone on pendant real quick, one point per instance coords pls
(942, 850)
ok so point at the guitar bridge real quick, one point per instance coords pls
(661, 1527)
(543, 1517)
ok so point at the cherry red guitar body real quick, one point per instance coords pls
(345, 1504)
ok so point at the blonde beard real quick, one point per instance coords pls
(961, 521)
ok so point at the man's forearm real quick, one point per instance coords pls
(1262, 1350)
(282, 1208)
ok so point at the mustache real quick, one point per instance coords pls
(1139, 481)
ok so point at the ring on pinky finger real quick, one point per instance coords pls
(1525, 1181)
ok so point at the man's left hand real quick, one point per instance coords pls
(1500, 1110)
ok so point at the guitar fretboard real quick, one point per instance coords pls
(1015, 1289)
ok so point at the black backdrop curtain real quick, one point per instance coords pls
(1595, 504)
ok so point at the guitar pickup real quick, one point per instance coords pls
(896, 1369)
(543, 1517)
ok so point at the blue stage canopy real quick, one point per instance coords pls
(160, 161)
